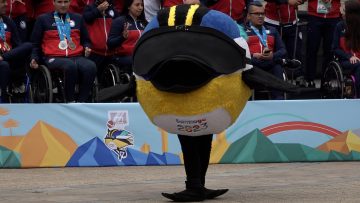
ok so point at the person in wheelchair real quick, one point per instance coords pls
(12, 52)
(266, 47)
(61, 41)
(98, 17)
(125, 32)
(346, 42)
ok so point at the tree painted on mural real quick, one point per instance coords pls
(11, 123)
(3, 112)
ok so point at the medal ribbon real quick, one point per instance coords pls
(2, 30)
(63, 28)
(263, 37)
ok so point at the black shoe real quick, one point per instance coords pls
(186, 196)
(211, 194)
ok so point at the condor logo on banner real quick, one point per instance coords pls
(117, 138)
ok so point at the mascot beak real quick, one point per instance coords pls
(257, 78)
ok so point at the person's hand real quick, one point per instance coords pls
(268, 56)
(34, 64)
(257, 55)
(103, 6)
(87, 51)
(354, 60)
(295, 2)
(1, 58)
(126, 30)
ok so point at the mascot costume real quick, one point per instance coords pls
(193, 78)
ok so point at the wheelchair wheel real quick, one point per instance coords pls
(332, 82)
(42, 85)
(110, 76)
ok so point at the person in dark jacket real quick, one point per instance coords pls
(266, 47)
(99, 17)
(60, 41)
(125, 32)
(12, 52)
(346, 43)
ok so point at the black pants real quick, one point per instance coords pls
(11, 61)
(196, 151)
(72, 68)
(319, 29)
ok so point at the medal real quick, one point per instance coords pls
(63, 45)
(72, 45)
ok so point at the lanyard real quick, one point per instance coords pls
(2, 30)
(263, 37)
(63, 28)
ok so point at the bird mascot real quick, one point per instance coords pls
(193, 78)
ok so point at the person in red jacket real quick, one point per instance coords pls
(17, 11)
(125, 32)
(266, 47)
(346, 43)
(60, 40)
(98, 17)
(12, 52)
(323, 15)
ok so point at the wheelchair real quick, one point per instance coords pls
(337, 83)
(48, 87)
(289, 66)
(113, 75)
(19, 90)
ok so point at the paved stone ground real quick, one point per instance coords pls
(287, 182)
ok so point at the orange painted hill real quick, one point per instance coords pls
(344, 143)
(45, 146)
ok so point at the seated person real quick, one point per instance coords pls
(60, 40)
(98, 17)
(12, 52)
(346, 43)
(266, 46)
(125, 32)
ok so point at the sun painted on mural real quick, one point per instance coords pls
(47, 146)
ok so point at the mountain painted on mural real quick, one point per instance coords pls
(47, 146)
(256, 147)
(96, 153)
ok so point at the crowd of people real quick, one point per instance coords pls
(80, 37)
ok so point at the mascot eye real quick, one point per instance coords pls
(182, 74)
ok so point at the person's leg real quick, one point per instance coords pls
(196, 154)
(328, 30)
(313, 43)
(70, 71)
(4, 80)
(87, 71)
(194, 189)
(204, 150)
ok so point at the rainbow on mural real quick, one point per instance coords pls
(75, 135)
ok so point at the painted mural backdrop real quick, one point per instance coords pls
(72, 135)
